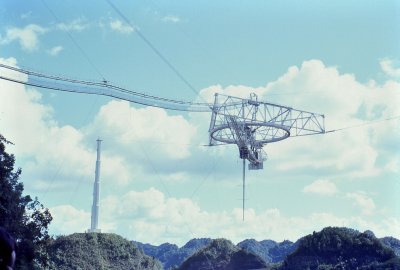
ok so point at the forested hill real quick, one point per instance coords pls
(100, 251)
(329, 249)
(392, 243)
(341, 248)
(221, 254)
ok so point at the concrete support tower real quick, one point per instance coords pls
(96, 194)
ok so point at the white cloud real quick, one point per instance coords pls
(150, 216)
(26, 15)
(321, 187)
(50, 150)
(126, 126)
(67, 219)
(121, 27)
(135, 138)
(242, 91)
(27, 36)
(171, 18)
(318, 88)
(55, 50)
(77, 25)
(351, 153)
(389, 69)
(361, 199)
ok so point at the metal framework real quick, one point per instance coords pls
(251, 124)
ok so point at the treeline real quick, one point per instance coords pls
(24, 218)
(341, 248)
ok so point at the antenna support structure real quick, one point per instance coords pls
(94, 225)
(246, 122)
(251, 124)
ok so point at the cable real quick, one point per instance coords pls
(367, 123)
(169, 195)
(61, 164)
(109, 90)
(55, 175)
(154, 49)
(75, 43)
(215, 163)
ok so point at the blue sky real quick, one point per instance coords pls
(158, 183)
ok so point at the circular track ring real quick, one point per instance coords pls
(283, 131)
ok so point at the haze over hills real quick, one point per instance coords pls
(222, 254)
(170, 255)
(348, 247)
(269, 250)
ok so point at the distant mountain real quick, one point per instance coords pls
(162, 252)
(270, 251)
(97, 251)
(274, 253)
(341, 248)
(221, 254)
(170, 255)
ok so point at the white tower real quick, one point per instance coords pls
(96, 194)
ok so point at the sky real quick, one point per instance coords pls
(159, 183)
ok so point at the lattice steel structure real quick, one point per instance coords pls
(251, 124)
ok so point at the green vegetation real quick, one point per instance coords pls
(340, 248)
(221, 254)
(25, 219)
(97, 251)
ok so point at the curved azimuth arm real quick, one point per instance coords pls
(103, 88)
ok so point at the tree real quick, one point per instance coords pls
(24, 218)
(98, 251)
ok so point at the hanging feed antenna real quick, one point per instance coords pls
(251, 124)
